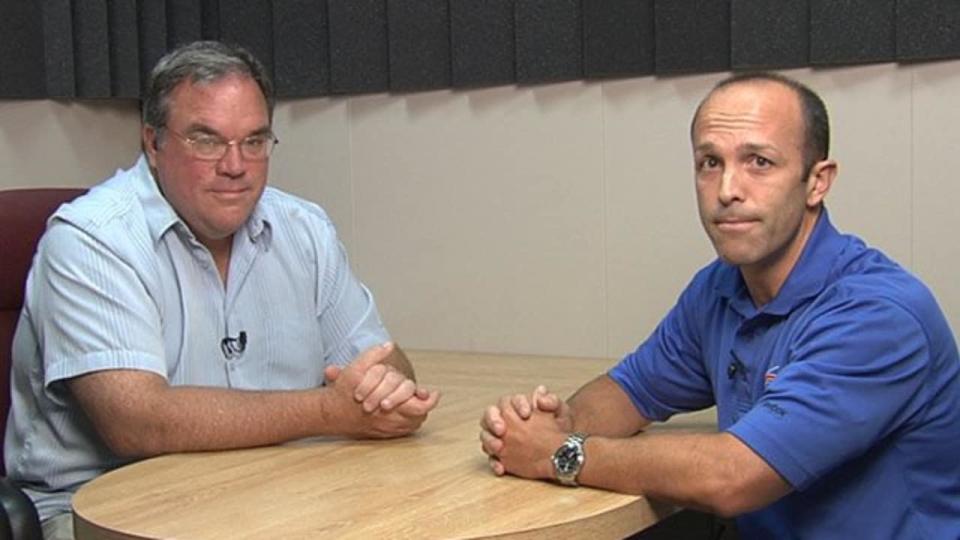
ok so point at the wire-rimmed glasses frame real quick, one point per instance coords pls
(210, 147)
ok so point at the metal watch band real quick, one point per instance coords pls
(574, 442)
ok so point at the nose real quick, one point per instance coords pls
(232, 163)
(730, 188)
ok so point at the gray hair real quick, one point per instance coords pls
(200, 62)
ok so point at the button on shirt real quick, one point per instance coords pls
(847, 383)
(120, 282)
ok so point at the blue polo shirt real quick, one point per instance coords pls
(847, 383)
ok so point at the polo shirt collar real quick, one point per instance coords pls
(161, 217)
(807, 278)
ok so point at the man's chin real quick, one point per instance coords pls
(735, 258)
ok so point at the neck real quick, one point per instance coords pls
(765, 278)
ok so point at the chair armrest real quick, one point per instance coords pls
(18, 517)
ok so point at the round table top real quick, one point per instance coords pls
(434, 484)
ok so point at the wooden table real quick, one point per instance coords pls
(435, 484)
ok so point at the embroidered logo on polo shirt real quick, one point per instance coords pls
(770, 375)
(774, 408)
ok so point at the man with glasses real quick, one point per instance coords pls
(182, 305)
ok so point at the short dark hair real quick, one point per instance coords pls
(203, 62)
(816, 120)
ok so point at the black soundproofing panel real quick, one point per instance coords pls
(184, 22)
(692, 36)
(419, 41)
(152, 26)
(928, 29)
(769, 34)
(549, 36)
(249, 23)
(124, 47)
(358, 46)
(210, 18)
(91, 49)
(618, 38)
(22, 72)
(482, 42)
(852, 31)
(301, 53)
(57, 47)
(105, 48)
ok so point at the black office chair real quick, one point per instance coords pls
(23, 217)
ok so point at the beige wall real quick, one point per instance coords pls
(556, 219)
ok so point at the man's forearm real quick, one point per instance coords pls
(199, 418)
(138, 414)
(601, 407)
(713, 472)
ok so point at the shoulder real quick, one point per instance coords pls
(871, 292)
(869, 276)
(110, 213)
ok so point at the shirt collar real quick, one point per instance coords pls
(161, 217)
(807, 278)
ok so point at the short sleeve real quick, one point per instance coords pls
(856, 375)
(89, 308)
(348, 316)
(666, 374)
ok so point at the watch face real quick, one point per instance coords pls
(567, 459)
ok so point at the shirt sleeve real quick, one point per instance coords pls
(666, 374)
(90, 310)
(348, 316)
(856, 376)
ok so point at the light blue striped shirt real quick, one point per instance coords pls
(119, 281)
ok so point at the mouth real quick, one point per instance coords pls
(230, 195)
(735, 224)
(229, 192)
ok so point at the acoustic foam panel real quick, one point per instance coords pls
(358, 46)
(152, 26)
(549, 38)
(60, 79)
(692, 36)
(91, 49)
(419, 44)
(124, 47)
(482, 42)
(210, 19)
(301, 55)
(184, 22)
(249, 23)
(852, 31)
(768, 34)
(22, 72)
(618, 37)
(928, 29)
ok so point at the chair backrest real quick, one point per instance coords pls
(23, 218)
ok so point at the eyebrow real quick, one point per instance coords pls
(708, 147)
(207, 130)
(754, 147)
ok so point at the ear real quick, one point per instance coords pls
(148, 138)
(820, 180)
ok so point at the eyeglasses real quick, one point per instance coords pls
(212, 148)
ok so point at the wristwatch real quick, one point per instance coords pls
(569, 458)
